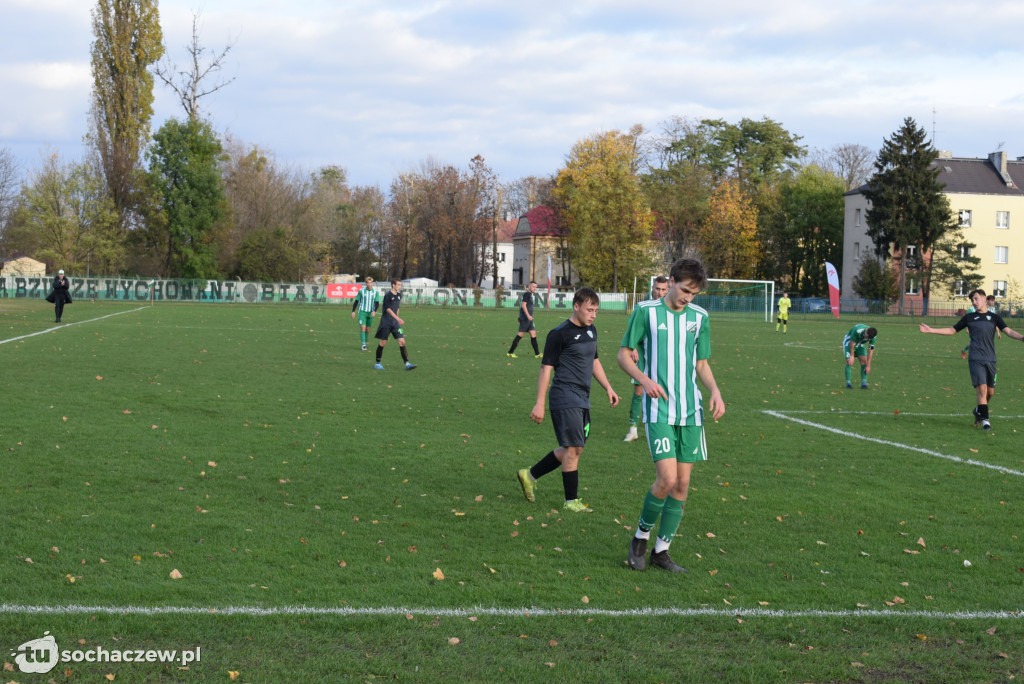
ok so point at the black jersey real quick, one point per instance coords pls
(392, 300)
(982, 329)
(528, 301)
(571, 349)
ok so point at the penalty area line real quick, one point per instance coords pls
(257, 611)
(68, 325)
(886, 442)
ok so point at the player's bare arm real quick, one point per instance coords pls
(715, 403)
(627, 364)
(602, 380)
(925, 328)
(1013, 334)
(537, 414)
(395, 316)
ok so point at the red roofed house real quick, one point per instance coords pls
(538, 237)
(505, 230)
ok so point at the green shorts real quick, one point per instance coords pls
(684, 443)
(365, 318)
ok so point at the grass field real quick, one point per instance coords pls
(331, 522)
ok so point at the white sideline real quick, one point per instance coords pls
(74, 609)
(920, 450)
(68, 325)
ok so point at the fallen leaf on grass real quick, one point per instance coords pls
(232, 675)
(175, 574)
(438, 575)
(454, 641)
(585, 599)
(990, 632)
(920, 542)
(915, 553)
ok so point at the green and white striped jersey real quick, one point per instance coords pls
(366, 300)
(670, 344)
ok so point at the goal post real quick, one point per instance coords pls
(739, 297)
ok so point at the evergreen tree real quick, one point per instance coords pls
(952, 262)
(907, 203)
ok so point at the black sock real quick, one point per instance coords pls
(405, 354)
(515, 343)
(545, 466)
(536, 350)
(983, 411)
(380, 350)
(571, 484)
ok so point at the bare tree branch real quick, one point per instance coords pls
(192, 84)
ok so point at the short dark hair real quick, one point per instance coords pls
(992, 297)
(971, 294)
(585, 295)
(661, 279)
(532, 282)
(689, 269)
(395, 280)
(872, 333)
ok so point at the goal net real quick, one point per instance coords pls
(747, 297)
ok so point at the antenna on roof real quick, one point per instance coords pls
(1000, 146)
(933, 126)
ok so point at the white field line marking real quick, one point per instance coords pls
(844, 412)
(68, 325)
(74, 609)
(929, 452)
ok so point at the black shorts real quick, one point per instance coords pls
(525, 325)
(385, 331)
(572, 426)
(983, 373)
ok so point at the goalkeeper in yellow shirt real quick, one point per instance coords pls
(783, 318)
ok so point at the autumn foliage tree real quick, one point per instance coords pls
(606, 212)
(728, 235)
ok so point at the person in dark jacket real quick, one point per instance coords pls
(60, 293)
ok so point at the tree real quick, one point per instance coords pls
(908, 206)
(65, 219)
(8, 186)
(609, 222)
(524, 194)
(953, 263)
(728, 235)
(127, 41)
(850, 162)
(193, 82)
(811, 228)
(876, 283)
(185, 174)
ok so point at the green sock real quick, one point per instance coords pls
(671, 515)
(650, 513)
(849, 374)
(362, 336)
(634, 410)
(863, 374)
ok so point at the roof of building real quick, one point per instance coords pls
(506, 229)
(538, 221)
(973, 176)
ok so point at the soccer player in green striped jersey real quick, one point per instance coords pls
(366, 303)
(674, 339)
(657, 292)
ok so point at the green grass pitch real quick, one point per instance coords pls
(331, 522)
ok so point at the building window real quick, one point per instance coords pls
(1003, 220)
(856, 214)
(501, 281)
(856, 250)
(501, 257)
(965, 218)
(912, 286)
(1002, 255)
(999, 289)
(965, 252)
(960, 288)
(561, 253)
(911, 255)
(560, 281)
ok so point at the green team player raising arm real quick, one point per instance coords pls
(859, 343)
(675, 342)
(982, 326)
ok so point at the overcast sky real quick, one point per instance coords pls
(379, 86)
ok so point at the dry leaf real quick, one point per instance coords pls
(109, 677)
(552, 643)
(922, 637)
(990, 632)
(8, 667)
(175, 574)
(585, 599)
(454, 641)
(897, 599)
(438, 575)
(712, 572)
(550, 664)
(920, 542)
(29, 560)
(232, 675)
(99, 377)
(911, 552)
(710, 535)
